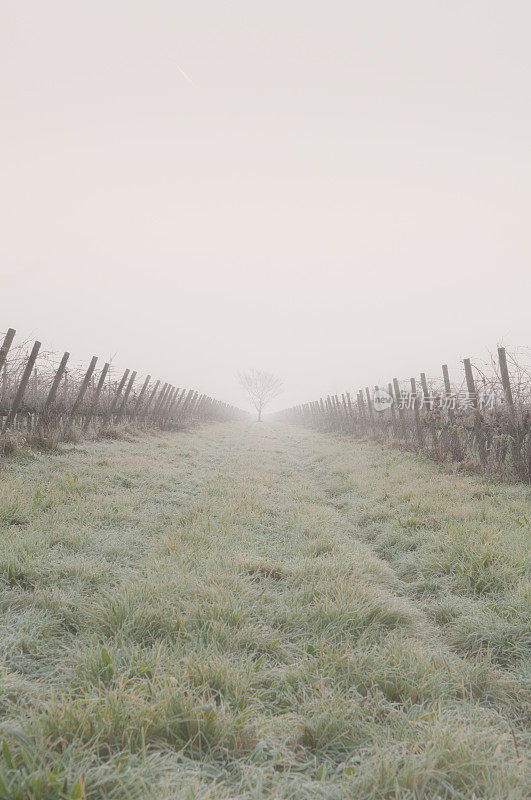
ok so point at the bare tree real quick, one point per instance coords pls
(260, 387)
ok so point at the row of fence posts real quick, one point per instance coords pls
(158, 405)
(440, 431)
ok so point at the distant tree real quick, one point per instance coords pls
(260, 387)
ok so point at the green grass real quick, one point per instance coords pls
(251, 611)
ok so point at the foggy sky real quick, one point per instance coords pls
(338, 192)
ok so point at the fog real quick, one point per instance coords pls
(336, 192)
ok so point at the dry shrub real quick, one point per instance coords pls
(43, 438)
(123, 431)
(72, 435)
(11, 442)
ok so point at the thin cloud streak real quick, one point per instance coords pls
(183, 73)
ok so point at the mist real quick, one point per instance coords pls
(337, 193)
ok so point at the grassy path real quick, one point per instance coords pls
(251, 611)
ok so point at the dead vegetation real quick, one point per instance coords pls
(481, 424)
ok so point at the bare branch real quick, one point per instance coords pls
(260, 387)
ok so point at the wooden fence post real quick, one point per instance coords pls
(349, 404)
(393, 411)
(117, 396)
(418, 424)
(401, 416)
(179, 399)
(52, 394)
(521, 461)
(205, 407)
(187, 401)
(199, 406)
(448, 392)
(96, 398)
(168, 400)
(506, 383)
(126, 397)
(82, 389)
(6, 344)
(150, 399)
(193, 404)
(22, 386)
(140, 397)
(477, 416)
(425, 391)
(165, 403)
(159, 400)
(369, 407)
(171, 406)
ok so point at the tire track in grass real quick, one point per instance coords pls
(253, 641)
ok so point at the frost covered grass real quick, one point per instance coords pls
(253, 611)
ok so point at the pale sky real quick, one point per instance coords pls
(338, 192)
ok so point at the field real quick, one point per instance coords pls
(248, 611)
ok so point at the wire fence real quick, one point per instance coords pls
(45, 398)
(483, 421)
